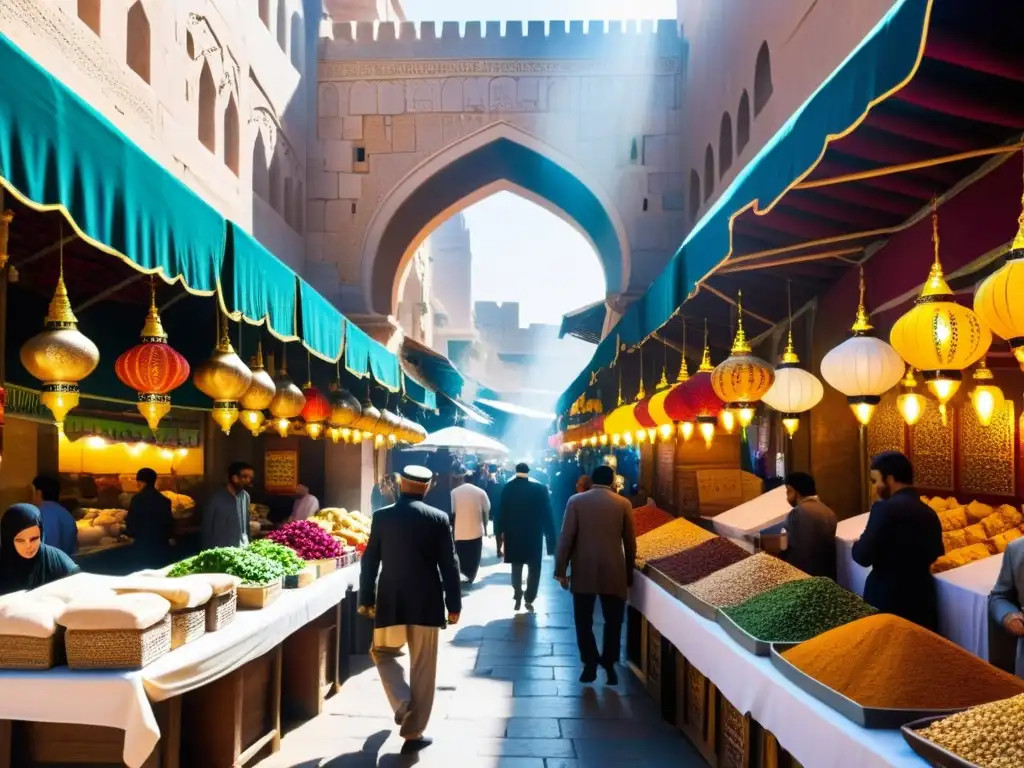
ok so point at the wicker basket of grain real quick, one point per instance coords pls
(187, 625)
(188, 597)
(30, 637)
(253, 597)
(120, 632)
(221, 609)
(21, 652)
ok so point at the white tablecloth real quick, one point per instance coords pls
(812, 732)
(122, 699)
(962, 592)
(740, 524)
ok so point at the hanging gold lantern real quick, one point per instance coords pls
(727, 420)
(910, 403)
(999, 300)
(288, 400)
(863, 368)
(686, 430)
(60, 356)
(369, 422)
(258, 396)
(986, 397)
(937, 336)
(224, 378)
(741, 380)
(795, 390)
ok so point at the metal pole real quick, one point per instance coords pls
(863, 474)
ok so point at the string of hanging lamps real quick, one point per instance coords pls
(937, 336)
(795, 389)
(656, 403)
(676, 407)
(698, 396)
(863, 367)
(742, 379)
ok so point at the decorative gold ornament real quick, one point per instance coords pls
(258, 396)
(986, 397)
(224, 378)
(741, 380)
(937, 336)
(863, 368)
(911, 403)
(369, 421)
(253, 421)
(60, 356)
(225, 414)
(288, 400)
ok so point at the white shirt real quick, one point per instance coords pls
(304, 507)
(469, 504)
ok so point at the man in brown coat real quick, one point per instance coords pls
(597, 547)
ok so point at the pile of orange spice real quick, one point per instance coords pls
(884, 661)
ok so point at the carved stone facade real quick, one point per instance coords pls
(392, 112)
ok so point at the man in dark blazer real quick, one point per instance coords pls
(902, 539)
(411, 545)
(810, 528)
(522, 523)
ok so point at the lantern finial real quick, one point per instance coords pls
(789, 355)
(1018, 241)
(861, 324)
(641, 393)
(153, 328)
(936, 284)
(739, 344)
(684, 371)
(60, 313)
(705, 360)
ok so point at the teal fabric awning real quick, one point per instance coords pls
(262, 287)
(418, 392)
(57, 152)
(366, 357)
(884, 61)
(322, 324)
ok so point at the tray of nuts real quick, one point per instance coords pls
(928, 750)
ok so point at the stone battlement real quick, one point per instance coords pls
(562, 40)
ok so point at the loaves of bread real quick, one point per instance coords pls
(180, 593)
(121, 612)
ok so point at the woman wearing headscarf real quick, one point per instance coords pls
(25, 561)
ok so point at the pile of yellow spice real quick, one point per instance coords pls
(668, 540)
(989, 735)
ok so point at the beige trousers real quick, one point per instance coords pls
(411, 701)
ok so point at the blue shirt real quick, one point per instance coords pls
(59, 528)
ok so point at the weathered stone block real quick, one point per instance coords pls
(391, 98)
(375, 136)
(451, 95)
(531, 95)
(323, 185)
(503, 94)
(328, 101)
(314, 246)
(428, 133)
(350, 186)
(423, 96)
(338, 214)
(403, 133)
(476, 94)
(330, 127)
(315, 212)
(353, 128)
(657, 152)
(363, 99)
(338, 156)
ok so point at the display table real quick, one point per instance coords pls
(123, 700)
(848, 573)
(741, 524)
(813, 733)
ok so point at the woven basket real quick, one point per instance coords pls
(220, 611)
(253, 597)
(18, 652)
(187, 625)
(117, 648)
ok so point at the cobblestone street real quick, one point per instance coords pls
(508, 697)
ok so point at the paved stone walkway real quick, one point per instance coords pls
(508, 697)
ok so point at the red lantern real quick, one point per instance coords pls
(642, 413)
(700, 397)
(316, 410)
(676, 407)
(153, 368)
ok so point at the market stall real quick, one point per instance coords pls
(743, 523)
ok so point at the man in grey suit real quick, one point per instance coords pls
(597, 548)
(1004, 602)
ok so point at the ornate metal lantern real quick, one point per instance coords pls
(741, 380)
(224, 378)
(259, 395)
(795, 390)
(288, 400)
(986, 397)
(315, 411)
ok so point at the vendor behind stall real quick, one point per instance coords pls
(25, 561)
(59, 523)
(306, 504)
(225, 520)
(810, 528)
(150, 523)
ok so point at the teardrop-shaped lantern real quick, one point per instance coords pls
(315, 411)
(60, 356)
(153, 368)
(369, 421)
(345, 409)
(999, 300)
(986, 397)
(741, 380)
(288, 400)
(259, 395)
(224, 378)
(910, 403)
(795, 390)
(939, 337)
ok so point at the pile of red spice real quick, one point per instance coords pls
(649, 517)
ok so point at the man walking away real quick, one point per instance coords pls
(810, 528)
(150, 523)
(411, 546)
(225, 521)
(470, 506)
(902, 539)
(597, 547)
(524, 521)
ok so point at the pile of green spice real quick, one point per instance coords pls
(691, 565)
(991, 735)
(741, 581)
(798, 611)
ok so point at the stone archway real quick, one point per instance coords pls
(497, 157)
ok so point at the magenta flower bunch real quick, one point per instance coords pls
(309, 540)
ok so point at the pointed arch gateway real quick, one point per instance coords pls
(498, 157)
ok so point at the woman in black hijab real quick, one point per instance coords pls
(25, 562)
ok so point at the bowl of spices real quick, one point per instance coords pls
(669, 539)
(743, 580)
(791, 613)
(672, 573)
(986, 736)
(649, 517)
(883, 671)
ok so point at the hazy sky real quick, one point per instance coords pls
(521, 252)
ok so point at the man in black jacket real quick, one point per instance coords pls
(902, 539)
(411, 545)
(150, 523)
(522, 524)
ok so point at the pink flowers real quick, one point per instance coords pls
(309, 540)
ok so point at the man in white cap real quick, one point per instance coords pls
(412, 548)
